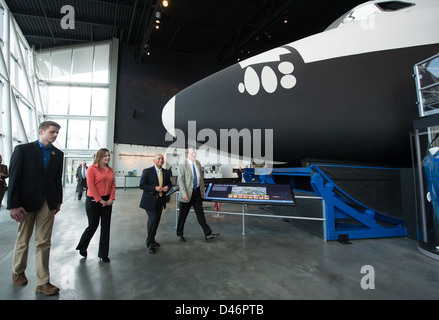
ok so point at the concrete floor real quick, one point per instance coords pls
(274, 260)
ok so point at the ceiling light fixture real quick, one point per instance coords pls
(158, 16)
(165, 3)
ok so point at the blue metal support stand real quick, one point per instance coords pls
(345, 216)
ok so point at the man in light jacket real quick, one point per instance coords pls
(192, 192)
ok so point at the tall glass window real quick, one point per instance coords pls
(77, 89)
(69, 85)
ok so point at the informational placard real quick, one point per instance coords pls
(280, 194)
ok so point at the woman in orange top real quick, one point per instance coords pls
(98, 205)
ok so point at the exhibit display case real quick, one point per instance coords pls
(425, 156)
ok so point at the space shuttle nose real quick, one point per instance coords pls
(168, 116)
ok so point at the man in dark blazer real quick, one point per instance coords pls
(155, 182)
(34, 197)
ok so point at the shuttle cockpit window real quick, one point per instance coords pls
(367, 10)
(393, 5)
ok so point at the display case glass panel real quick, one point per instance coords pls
(427, 84)
(425, 155)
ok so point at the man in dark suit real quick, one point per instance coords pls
(34, 197)
(155, 182)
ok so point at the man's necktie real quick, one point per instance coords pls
(195, 175)
(160, 181)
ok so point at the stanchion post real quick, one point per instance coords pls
(243, 220)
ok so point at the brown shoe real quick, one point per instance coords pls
(19, 279)
(48, 289)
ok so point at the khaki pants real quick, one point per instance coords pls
(43, 221)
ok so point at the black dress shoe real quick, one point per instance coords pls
(155, 244)
(106, 259)
(83, 253)
(150, 250)
(181, 238)
(211, 236)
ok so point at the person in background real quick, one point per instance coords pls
(3, 176)
(81, 179)
(98, 205)
(34, 197)
(239, 173)
(155, 182)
